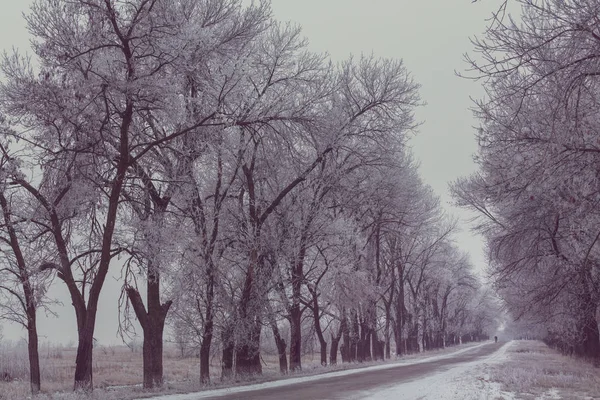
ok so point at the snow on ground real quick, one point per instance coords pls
(291, 381)
(465, 382)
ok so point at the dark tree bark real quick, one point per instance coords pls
(228, 351)
(28, 299)
(335, 340)
(247, 355)
(590, 346)
(34, 357)
(345, 349)
(281, 345)
(354, 336)
(295, 337)
(317, 322)
(153, 324)
(400, 310)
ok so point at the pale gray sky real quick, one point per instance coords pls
(429, 35)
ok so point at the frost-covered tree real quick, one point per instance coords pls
(537, 189)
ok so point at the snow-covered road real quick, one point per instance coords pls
(426, 378)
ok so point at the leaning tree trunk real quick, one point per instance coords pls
(281, 345)
(318, 330)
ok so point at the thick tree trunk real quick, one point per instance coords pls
(335, 341)
(281, 353)
(34, 358)
(247, 350)
(295, 337)
(205, 360)
(345, 349)
(152, 356)
(247, 355)
(83, 359)
(279, 342)
(228, 351)
(153, 324)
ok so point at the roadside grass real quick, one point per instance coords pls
(532, 370)
(118, 372)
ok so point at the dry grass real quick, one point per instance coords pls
(533, 371)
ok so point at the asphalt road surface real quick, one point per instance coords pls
(345, 387)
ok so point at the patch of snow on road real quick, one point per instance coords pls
(291, 381)
(461, 383)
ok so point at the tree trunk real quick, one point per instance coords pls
(153, 324)
(280, 343)
(591, 342)
(228, 351)
(318, 330)
(205, 360)
(207, 335)
(354, 336)
(400, 310)
(295, 337)
(247, 355)
(345, 349)
(34, 358)
(29, 297)
(335, 340)
(83, 360)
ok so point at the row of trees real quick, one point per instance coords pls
(537, 190)
(239, 180)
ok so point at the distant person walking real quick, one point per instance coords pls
(496, 339)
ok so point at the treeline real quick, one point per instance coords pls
(241, 183)
(537, 188)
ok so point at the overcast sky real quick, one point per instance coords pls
(431, 37)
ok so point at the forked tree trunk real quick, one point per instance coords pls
(153, 324)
